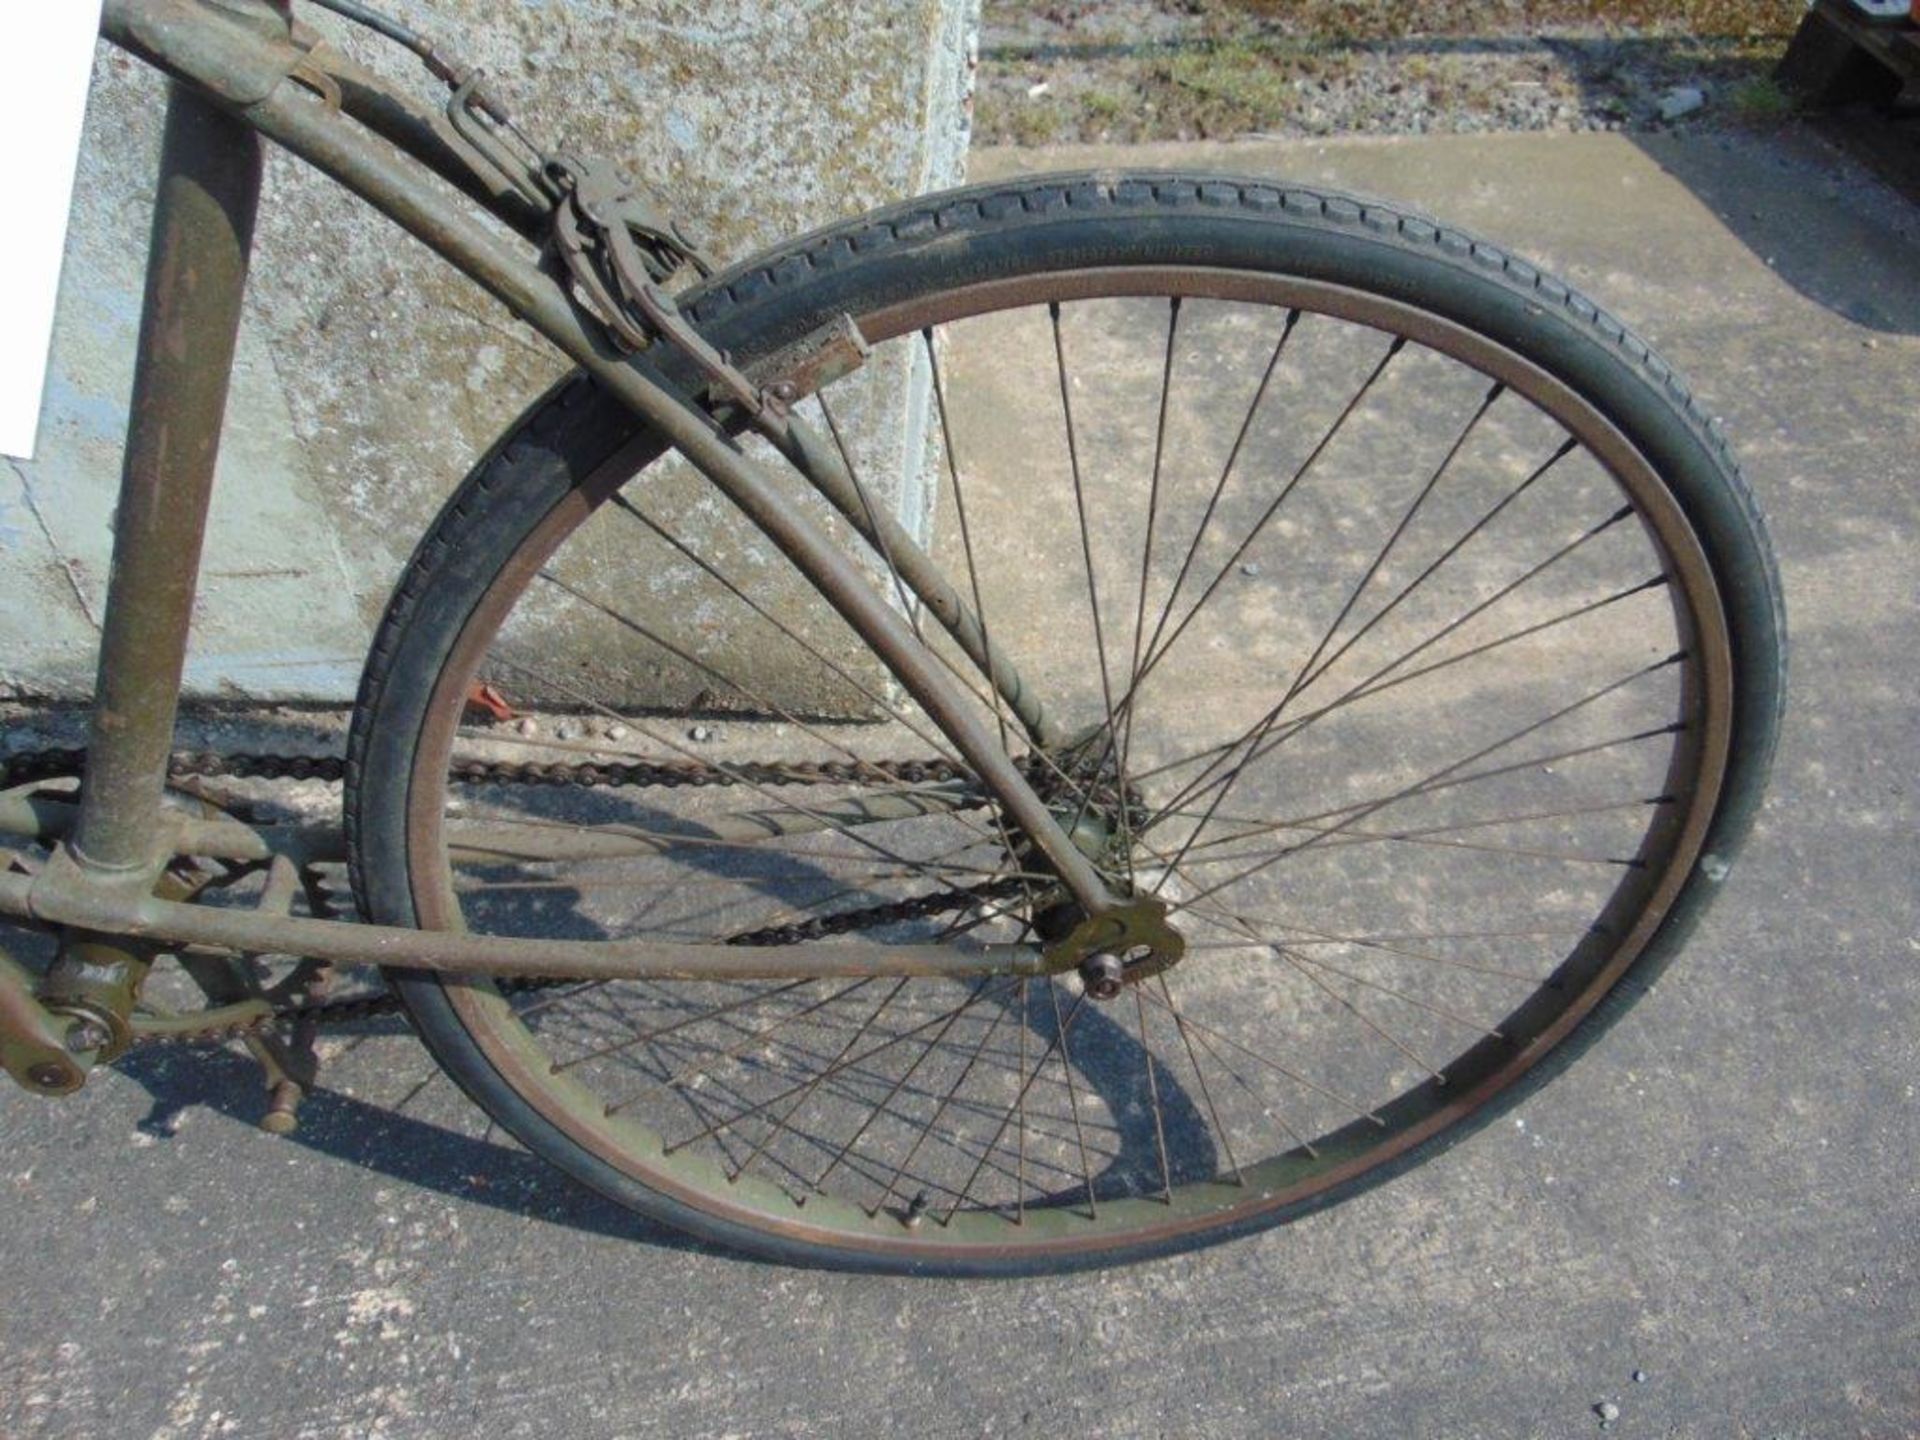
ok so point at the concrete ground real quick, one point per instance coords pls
(1709, 1224)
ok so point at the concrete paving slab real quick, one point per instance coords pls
(1721, 1200)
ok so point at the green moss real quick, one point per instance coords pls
(1760, 99)
(1244, 76)
(1039, 120)
(1105, 107)
(1343, 21)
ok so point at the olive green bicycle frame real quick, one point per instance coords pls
(243, 71)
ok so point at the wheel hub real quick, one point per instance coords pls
(1130, 942)
(1125, 945)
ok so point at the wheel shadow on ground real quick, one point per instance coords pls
(478, 1170)
(496, 1173)
(500, 1175)
(1106, 1055)
(475, 1169)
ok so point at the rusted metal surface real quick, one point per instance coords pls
(63, 895)
(31, 811)
(814, 361)
(49, 817)
(202, 236)
(32, 1039)
(241, 61)
(58, 897)
(427, 134)
(203, 231)
(827, 471)
(327, 142)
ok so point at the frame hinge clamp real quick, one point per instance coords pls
(619, 247)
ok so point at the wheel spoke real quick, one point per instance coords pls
(1073, 1094)
(1200, 1078)
(1153, 514)
(733, 1120)
(966, 530)
(884, 1106)
(1201, 785)
(1153, 1096)
(1059, 1035)
(1227, 920)
(732, 772)
(1384, 678)
(787, 1116)
(1155, 656)
(840, 672)
(1302, 676)
(648, 1037)
(1086, 539)
(687, 1075)
(1359, 1110)
(1256, 827)
(1213, 499)
(1435, 780)
(946, 1101)
(627, 622)
(1449, 651)
(908, 606)
(1434, 566)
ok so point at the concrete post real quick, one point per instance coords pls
(754, 119)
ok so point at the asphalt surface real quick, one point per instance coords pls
(1708, 1225)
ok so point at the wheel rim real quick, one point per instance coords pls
(1176, 1050)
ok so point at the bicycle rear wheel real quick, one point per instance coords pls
(1398, 621)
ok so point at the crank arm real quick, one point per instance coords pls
(33, 1048)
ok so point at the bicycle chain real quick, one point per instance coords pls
(70, 761)
(65, 762)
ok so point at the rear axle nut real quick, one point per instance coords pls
(1103, 976)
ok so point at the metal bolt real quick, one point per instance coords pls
(85, 1036)
(49, 1075)
(1102, 975)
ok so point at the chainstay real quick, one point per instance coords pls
(374, 1006)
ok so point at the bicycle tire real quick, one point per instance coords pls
(979, 237)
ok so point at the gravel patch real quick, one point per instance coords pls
(1133, 70)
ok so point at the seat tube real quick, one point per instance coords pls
(196, 272)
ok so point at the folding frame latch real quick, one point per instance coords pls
(619, 247)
